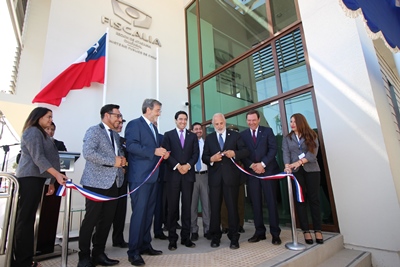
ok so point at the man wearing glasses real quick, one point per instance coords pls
(103, 174)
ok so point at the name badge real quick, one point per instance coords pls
(302, 155)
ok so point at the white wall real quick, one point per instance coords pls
(65, 29)
(362, 181)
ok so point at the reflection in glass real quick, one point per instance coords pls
(229, 28)
(283, 13)
(292, 65)
(193, 45)
(195, 105)
(301, 104)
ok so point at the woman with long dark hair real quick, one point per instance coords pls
(300, 149)
(39, 161)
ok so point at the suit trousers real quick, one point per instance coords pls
(174, 189)
(230, 194)
(143, 202)
(310, 184)
(159, 209)
(224, 211)
(260, 191)
(99, 215)
(200, 192)
(30, 194)
(120, 215)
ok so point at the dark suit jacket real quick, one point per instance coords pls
(188, 154)
(140, 145)
(225, 169)
(60, 145)
(264, 150)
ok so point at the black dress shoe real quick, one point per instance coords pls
(136, 260)
(256, 238)
(103, 260)
(276, 240)
(172, 245)
(151, 251)
(234, 244)
(123, 244)
(215, 243)
(194, 237)
(318, 240)
(188, 243)
(85, 263)
(178, 226)
(207, 236)
(161, 236)
(224, 230)
(241, 229)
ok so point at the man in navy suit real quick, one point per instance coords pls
(261, 143)
(103, 175)
(144, 151)
(180, 177)
(223, 178)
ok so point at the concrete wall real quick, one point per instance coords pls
(347, 83)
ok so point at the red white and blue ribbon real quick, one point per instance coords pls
(299, 191)
(98, 197)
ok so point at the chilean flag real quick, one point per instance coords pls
(90, 67)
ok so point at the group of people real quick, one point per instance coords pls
(195, 169)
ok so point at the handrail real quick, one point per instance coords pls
(7, 235)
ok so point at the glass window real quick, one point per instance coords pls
(229, 28)
(283, 13)
(291, 60)
(193, 44)
(301, 104)
(195, 105)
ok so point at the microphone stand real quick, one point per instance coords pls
(6, 149)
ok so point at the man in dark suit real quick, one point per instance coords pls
(223, 178)
(261, 143)
(103, 175)
(180, 177)
(144, 151)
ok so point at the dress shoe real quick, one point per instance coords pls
(178, 226)
(207, 236)
(276, 240)
(151, 252)
(319, 240)
(188, 243)
(136, 260)
(309, 240)
(85, 263)
(161, 236)
(194, 237)
(103, 260)
(172, 245)
(123, 244)
(256, 238)
(241, 229)
(215, 243)
(234, 244)
(224, 230)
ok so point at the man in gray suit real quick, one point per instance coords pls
(103, 175)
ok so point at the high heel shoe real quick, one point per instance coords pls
(318, 240)
(308, 240)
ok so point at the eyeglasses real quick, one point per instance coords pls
(119, 116)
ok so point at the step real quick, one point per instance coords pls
(348, 258)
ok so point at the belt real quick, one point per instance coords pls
(203, 172)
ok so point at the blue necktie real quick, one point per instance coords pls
(152, 129)
(198, 163)
(221, 142)
(112, 138)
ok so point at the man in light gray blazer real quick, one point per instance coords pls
(103, 175)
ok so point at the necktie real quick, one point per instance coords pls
(112, 138)
(182, 138)
(152, 129)
(221, 142)
(254, 136)
(198, 163)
